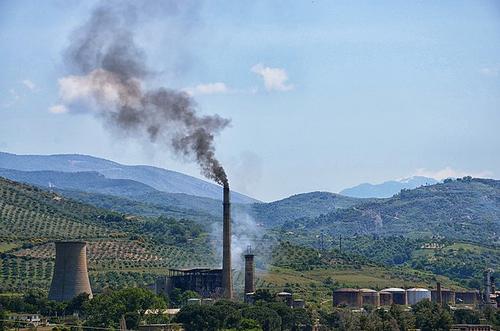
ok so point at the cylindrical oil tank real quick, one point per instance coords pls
(347, 297)
(70, 276)
(369, 297)
(286, 298)
(415, 295)
(398, 295)
(447, 295)
(385, 298)
(467, 297)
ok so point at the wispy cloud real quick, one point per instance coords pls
(58, 109)
(448, 172)
(209, 88)
(275, 79)
(490, 71)
(29, 84)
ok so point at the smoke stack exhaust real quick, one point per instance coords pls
(70, 271)
(227, 279)
(249, 272)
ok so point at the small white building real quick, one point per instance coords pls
(26, 319)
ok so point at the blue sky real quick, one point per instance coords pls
(322, 95)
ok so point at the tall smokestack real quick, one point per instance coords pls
(227, 279)
(70, 271)
(249, 272)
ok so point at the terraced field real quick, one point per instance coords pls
(122, 249)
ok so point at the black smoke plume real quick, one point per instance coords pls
(103, 51)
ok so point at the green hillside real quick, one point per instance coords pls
(135, 249)
(464, 209)
(127, 250)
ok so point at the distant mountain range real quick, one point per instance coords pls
(106, 177)
(387, 189)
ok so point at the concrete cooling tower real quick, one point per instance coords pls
(70, 271)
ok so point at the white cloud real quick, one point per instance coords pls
(209, 88)
(490, 71)
(58, 109)
(448, 172)
(274, 78)
(82, 93)
(29, 84)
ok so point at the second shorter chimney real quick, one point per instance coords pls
(249, 272)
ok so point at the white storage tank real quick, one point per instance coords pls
(415, 295)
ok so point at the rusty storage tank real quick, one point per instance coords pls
(467, 297)
(350, 297)
(398, 295)
(385, 298)
(447, 296)
(415, 295)
(369, 297)
(70, 276)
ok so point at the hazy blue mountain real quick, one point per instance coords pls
(157, 178)
(387, 189)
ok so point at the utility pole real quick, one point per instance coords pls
(340, 244)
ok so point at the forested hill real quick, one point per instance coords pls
(463, 209)
(311, 204)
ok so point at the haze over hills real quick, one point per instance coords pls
(157, 178)
(387, 189)
(462, 209)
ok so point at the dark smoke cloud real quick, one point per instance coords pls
(103, 50)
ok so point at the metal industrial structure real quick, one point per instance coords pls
(385, 298)
(227, 278)
(70, 276)
(398, 295)
(206, 282)
(369, 297)
(213, 283)
(415, 295)
(249, 272)
(350, 297)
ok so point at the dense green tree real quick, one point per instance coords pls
(106, 309)
(263, 295)
(3, 319)
(200, 317)
(466, 316)
(285, 313)
(268, 318)
(301, 320)
(430, 316)
(405, 319)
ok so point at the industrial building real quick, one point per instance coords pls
(206, 282)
